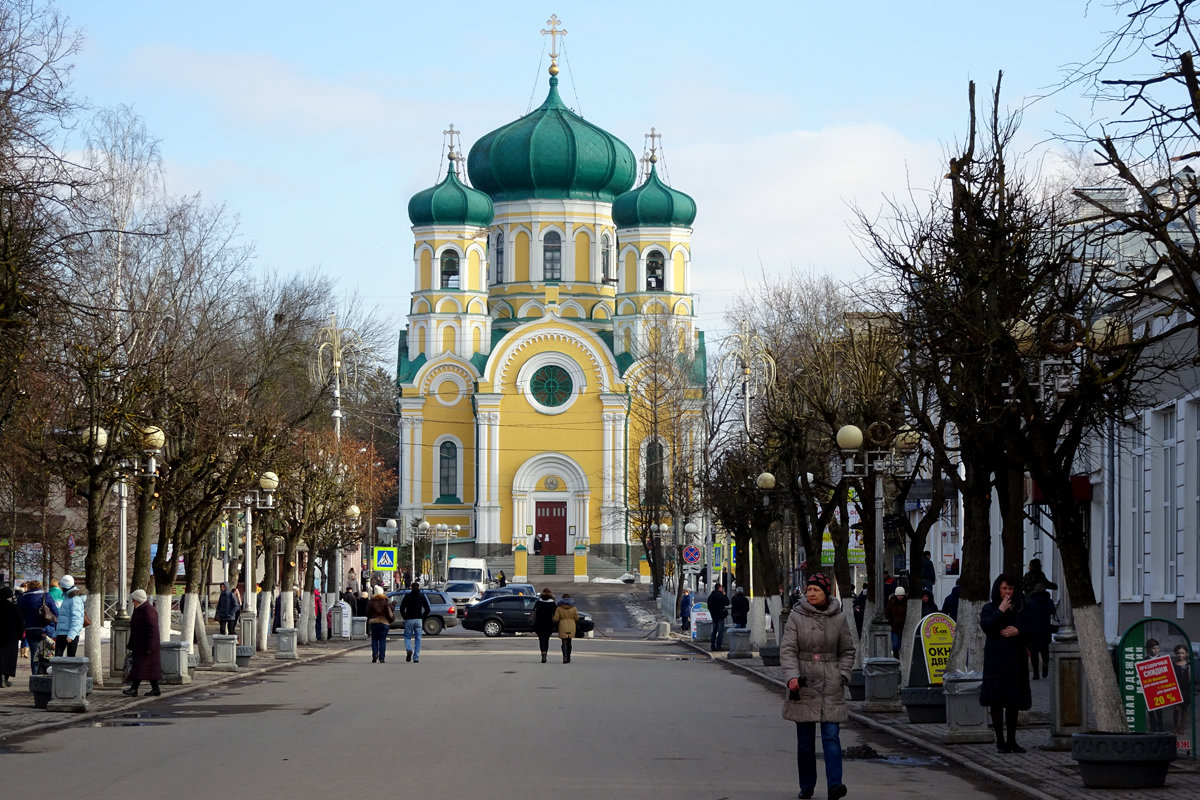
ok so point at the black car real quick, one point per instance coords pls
(441, 611)
(511, 614)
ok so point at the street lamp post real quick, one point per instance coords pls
(349, 524)
(692, 530)
(260, 498)
(422, 533)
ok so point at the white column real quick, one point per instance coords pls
(607, 438)
(494, 482)
(484, 455)
(418, 496)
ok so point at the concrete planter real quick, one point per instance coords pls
(857, 685)
(42, 688)
(739, 643)
(224, 652)
(244, 653)
(286, 643)
(1123, 760)
(770, 655)
(173, 657)
(924, 704)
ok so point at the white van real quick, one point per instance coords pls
(470, 569)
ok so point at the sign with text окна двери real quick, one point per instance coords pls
(937, 637)
(384, 558)
(1159, 685)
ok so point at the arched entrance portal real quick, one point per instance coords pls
(551, 504)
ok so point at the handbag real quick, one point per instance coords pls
(86, 619)
(45, 615)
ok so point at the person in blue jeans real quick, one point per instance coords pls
(816, 655)
(718, 608)
(414, 608)
(379, 618)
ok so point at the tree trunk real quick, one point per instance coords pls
(144, 532)
(162, 603)
(975, 582)
(203, 644)
(966, 654)
(93, 647)
(1010, 491)
(263, 621)
(912, 619)
(189, 605)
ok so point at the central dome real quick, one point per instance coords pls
(551, 153)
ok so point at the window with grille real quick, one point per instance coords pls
(552, 257)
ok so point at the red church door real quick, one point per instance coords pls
(551, 528)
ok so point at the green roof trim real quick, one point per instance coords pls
(406, 368)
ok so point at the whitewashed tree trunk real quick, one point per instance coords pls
(197, 635)
(966, 654)
(1098, 670)
(93, 647)
(263, 621)
(287, 614)
(302, 633)
(775, 608)
(162, 604)
(912, 618)
(758, 623)
(864, 636)
(187, 619)
(310, 604)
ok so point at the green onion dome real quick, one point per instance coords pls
(654, 204)
(551, 153)
(450, 203)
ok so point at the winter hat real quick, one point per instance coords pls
(822, 582)
(547, 594)
(66, 583)
(900, 591)
(138, 596)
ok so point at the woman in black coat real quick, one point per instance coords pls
(1005, 667)
(144, 645)
(543, 620)
(12, 628)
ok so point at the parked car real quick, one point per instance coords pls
(463, 594)
(510, 589)
(442, 613)
(511, 613)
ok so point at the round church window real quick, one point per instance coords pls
(551, 385)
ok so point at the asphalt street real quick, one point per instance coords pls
(629, 717)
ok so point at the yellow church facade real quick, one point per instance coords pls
(544, 282)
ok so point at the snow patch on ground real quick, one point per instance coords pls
(641, 609)
(607, 580)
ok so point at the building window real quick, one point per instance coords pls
(448, 470)
(449, 270)
(655, 271)
(654, 473)
(552, 257)
(605, 258)
(499, 261)
(551, 385)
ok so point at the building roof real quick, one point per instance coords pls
(451, 203)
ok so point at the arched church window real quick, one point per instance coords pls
(605, 258)
(498, 263)
(448, 470)
(552, 257)
(449, 270)
(655, 271)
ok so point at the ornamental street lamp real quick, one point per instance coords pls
(422, 533)
(261, 498)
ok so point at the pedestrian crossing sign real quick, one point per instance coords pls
(384, 558)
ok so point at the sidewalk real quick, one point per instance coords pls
(19, 717)
(1040, 773)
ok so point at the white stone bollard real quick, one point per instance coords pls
(358, 627)
(287, 643)
(69, 684)
(224, 652)
(173, 656)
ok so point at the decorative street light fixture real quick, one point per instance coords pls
(261, 498)
(422, 533)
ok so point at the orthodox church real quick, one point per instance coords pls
(545, 284)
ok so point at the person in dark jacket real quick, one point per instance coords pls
(739, 607)
(379, 617)
(685, 610)
(928, 572)
(1034, 576)
(543, 620)
(360, 605)
(927, 605)
(502, 579)
(950, 604)
(227, 610)
(859, 607)
(1005, 688)
(1039, 609)
(718, 607)
(143, 646)
(414, 608)
(30, 604)
(12, 628)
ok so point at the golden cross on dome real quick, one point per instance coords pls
(450, 133)
(554, 33)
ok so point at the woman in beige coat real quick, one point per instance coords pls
(816, 655)
(565, 616)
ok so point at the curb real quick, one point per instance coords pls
(73, 719)
(930, 747)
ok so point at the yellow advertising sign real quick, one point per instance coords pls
(937, 636)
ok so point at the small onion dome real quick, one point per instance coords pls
(654, 204)
(551, 153)
(450, 203)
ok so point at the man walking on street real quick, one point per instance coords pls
(414, 608)
(227, 610)
(718, 605)
(739, 608)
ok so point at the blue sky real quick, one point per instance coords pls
(315, 122)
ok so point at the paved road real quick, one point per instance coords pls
(476, 718)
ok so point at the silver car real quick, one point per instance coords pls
(462, 594)
(442, 612)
